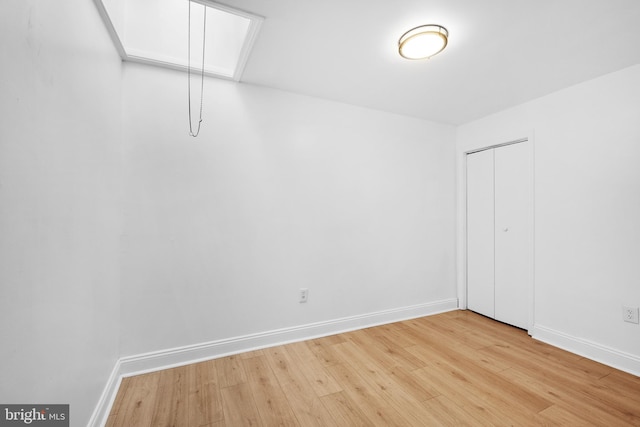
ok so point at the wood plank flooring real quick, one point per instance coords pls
(452, 369)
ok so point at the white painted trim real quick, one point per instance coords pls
(108, 396)
(609, 356)
(491, 147)
(532, 233)
(143, 58)
(247, 47)
(111, 29)
(255, 23)
(180, 356)
(163, 359)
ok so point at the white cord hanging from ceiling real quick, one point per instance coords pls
(204, 30)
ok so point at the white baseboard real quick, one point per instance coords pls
(101, 412)
(179, 356)
(139, 364)
(589, 349)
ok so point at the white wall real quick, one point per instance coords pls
(587, 206)
(60, 171)
(279, 192)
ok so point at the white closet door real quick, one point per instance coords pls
(480, 232)
(512, 235)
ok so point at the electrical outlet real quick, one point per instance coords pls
(630, 314)
(304, 295)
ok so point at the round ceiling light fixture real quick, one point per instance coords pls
(423, 42)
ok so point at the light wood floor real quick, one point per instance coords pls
(456, 368)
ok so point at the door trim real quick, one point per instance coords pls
(491, 147)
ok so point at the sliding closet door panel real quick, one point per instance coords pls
(480, 233)
(512, 234)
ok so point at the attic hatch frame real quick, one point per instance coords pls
(127, 53)
(255, 22)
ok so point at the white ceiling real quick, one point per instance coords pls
(501, 52)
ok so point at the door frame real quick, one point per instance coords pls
(462, 222)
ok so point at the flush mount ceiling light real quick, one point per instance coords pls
(423, 42)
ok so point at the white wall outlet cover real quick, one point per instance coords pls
(304, 295)
(630, 314)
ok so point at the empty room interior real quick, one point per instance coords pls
(266, 193)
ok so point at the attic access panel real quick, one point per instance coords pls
(157, 33)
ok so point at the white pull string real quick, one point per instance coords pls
(204, 32)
